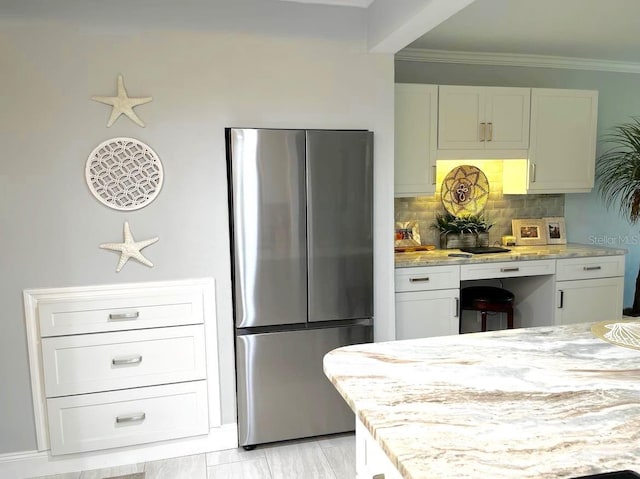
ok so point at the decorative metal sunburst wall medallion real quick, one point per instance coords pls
(124, 174)
(465, 191)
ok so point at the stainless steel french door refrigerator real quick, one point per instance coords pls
(301, 209)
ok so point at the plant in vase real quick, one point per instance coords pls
(449, 229)
(468, 226)
(618, 175)
(482, 227)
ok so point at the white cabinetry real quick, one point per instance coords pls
(120, 365)
(371, 461)
(563, 141)
(480, 118)
(589, 289)
(427, 301)
(416, 109)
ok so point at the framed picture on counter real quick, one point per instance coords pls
(556, 232)
(529, 231)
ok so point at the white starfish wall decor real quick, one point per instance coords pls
(130, 248)
(122, 104)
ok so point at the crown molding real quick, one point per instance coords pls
(515, 60)
(340, 3)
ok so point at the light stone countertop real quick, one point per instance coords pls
(551, 402)
(439, 257)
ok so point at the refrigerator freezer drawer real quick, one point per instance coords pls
(282, 390)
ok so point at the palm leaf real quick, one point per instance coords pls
(618, 169)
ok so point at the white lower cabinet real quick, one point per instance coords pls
(371, 461)
(589, 289)
(427, 301)
(89, 422)
(589, 300)
(425, 314)
(119, 365)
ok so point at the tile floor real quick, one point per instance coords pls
(327, 457)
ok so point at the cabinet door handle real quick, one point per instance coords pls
(592, 268)
(490, 131)
(433, 180)
(127, 360)
(377, 476)
(123, 316)
(509, 270)
(137, 417)
(456, 313)
(533, 172)
(561, 300)
(483, 127)
(419, 280)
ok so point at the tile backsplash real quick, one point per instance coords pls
(500, 209)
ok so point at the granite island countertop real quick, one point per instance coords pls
(551, 402)
(439, 257)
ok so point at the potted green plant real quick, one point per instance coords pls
(482, 227)
(618, 174)
(449, 229)
(467, 225)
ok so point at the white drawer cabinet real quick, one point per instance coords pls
(507, 269)
(88, 363)
(89, 422)
(120, 365)
(128, 308)
(427, 301)
(590, 268)
(427, 278)
(589, 289)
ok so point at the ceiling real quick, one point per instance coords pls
(593, 29)
(583, 29)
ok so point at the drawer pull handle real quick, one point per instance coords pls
(509, 270)
(561, 300)
(122, 361)
(123, 316)
(131, 418)
(419, 280)
(592, 268)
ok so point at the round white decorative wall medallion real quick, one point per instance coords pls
(124, 174)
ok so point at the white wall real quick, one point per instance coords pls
(275, 72)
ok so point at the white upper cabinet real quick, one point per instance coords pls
(563, 140)
(416, 109)
(479, 118)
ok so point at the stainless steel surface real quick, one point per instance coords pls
(302, 243)
(282, 390)
(131, 418)
(340, 224)
(269, 237)
(123, 316)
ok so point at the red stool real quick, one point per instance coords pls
(488, 299)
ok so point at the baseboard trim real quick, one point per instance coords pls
(27, 464)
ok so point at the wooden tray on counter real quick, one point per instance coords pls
(411, 249)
